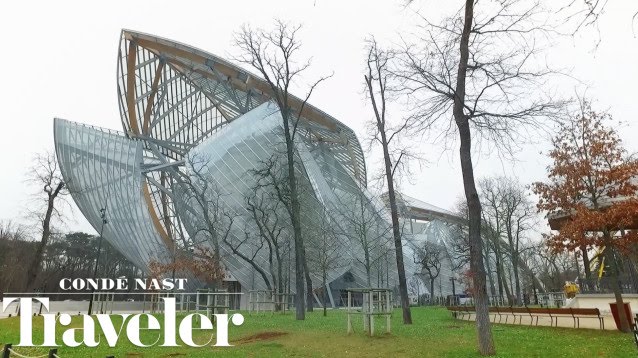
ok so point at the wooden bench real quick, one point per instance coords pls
(534, 313)
(461, 310)
(500, 311)
(578, 313)
(519, 312)
(455, 310)
(575, 313)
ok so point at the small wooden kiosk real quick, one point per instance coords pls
(374, 302)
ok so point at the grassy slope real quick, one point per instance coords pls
(434, 334)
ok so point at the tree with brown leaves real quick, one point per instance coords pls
(592, 186)
(204, 263)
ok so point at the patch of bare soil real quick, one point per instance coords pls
(262, 336)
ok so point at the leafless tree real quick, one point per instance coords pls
(248, 248)
(581, 14)
(326, 251)
(386, 135)
(203, 197)
(214, 223)
(493, 229)
(45, 173)
(520, 217)
(365, 227)
(271, 176)
(414, 287)
(274, 55)
(12, 255)
(476, 73)
(552, 268)
(264, 210)
(430, 257)
(508, 216)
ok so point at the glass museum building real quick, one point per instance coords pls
(200, 165)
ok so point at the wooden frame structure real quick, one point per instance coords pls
(375, 302)
(269, 301)
(209, 302)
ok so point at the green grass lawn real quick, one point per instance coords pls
(433, 334)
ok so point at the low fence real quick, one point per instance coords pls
(9, 352)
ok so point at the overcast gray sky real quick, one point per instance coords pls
(58, 60)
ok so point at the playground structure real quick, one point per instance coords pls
(571, 289)
(269, 301)
(374, 302)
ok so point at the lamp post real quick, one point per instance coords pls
(97, 259)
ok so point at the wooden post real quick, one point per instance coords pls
(371, 313)
(6, 351)
(209, 302)
(348, 311)
(364, 311)
(388, 316)
(276, 305)
(258, 301)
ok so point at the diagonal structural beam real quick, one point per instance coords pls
(151, 99)
(130, 84)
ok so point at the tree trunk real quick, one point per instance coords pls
(367, 261)
(483, 325)
(398, 245)
(615, 285)
(517, 282)
(508, 293)
(431, 290)
(295, 210)
(310, 299)
(586, 267)
(325, 288)
(34, 267)
(488, 270)
(499, 272)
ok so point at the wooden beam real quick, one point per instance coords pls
(151, 97)
(155, 218)
(180, 67)
(353, 159)
(309, 112)
(130, 87)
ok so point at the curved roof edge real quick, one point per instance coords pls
(243, 79)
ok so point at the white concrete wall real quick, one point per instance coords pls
(602, 301)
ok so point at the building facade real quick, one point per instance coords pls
(200, 164)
